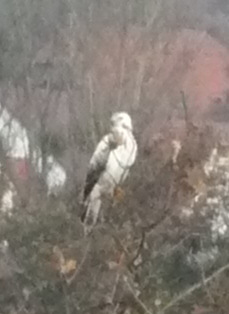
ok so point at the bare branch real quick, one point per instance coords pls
(156, 8)
(117, 278)
(148, 229)
(122, 55)
(138, 89)
(78, 269)
(142, 306)
(183, 100)
(192, 289)
(92, 113)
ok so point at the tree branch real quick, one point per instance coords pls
(142, 307)
(184, 107)
(78, 269)
(192, 289)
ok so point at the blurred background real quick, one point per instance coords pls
(65, 67)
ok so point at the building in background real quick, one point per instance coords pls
(22, 164)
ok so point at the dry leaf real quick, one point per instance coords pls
(68, 266)
(61, 264)
(196, 179)
(119, 194)
(112, 265)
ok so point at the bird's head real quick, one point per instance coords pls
(121, 119)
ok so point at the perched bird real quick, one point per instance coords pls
(108, 167)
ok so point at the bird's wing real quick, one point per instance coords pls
(98, 163)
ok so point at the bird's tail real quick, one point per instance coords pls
(83, 213)
(90, 213)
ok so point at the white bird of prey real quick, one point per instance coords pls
(108, 167)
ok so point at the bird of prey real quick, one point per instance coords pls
(109, 166)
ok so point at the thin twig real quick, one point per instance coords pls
(140, 247)
(121, 80)
(185, 108)
(152, 20)
(116, 309)
(117, 278)
(192, 289)
(148, 229)
(166, 209)
(139, 81)
(122, 56)
(142, 306)
(66, 297)
(203, 278)
(118, 241)
(71, 279)
(115, 286)
(92, 113)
